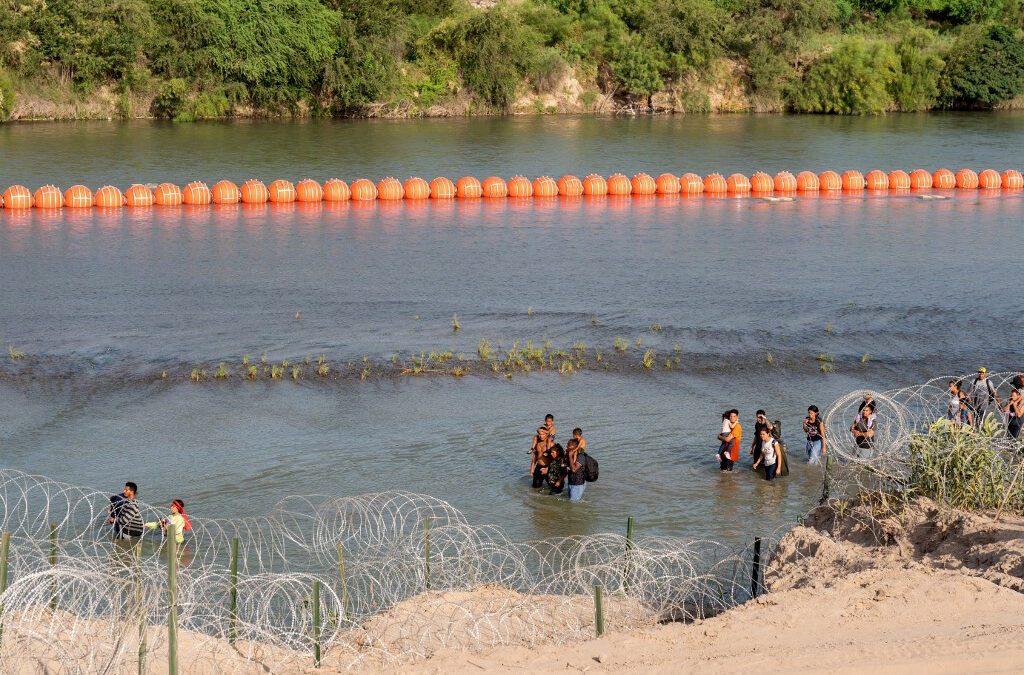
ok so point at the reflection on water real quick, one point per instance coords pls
(747, 293)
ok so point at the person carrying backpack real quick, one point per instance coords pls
(577, 471)
(981, 395)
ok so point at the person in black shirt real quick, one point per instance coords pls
(760, 425)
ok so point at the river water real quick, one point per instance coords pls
(747, 294)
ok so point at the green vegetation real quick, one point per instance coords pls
(196, 59)
(961, 467)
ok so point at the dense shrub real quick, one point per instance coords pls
(984, 67)
(6, 96)
(853, 80)
(916, 84)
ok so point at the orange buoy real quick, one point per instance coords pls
(761, 183)
(1012, 180)
(494, 187)
(138, 195)
(254, 192)
(167, 194)
(17, 197)
(876, 180)
(738, 184)
(643, 185)
(619, 185)
(570, 186)
(281, 192)
(852, 181)
(545, 186)
(691, 184)
(595, 185)
(226, 192)
(785, 182)
(416, 188)
(196, 193)
(830, 180)
(442, 188)
(943, 179)
(807, 181)
(715, 184)
(363, 190)
(667, 184)
(519, 186)
(78, 197)
(468, 187)
(899, 180)
(920, 180)
(337, 191)
(390, 189)
(308, 190)
(987, 180)
(966, 179)
(109, 197)
(48, 197)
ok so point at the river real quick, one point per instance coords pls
(742, 300)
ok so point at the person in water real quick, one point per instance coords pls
(557, 470)
(863, 428)
(124, 514)
(815, 430)
(760, 423)
(731, 455)
(723, 436)
(581, 442)
(770, 455)
(577, 479)
(981, 394)
(177, 518)
(540, 456)
(965, 416)
(549, 424)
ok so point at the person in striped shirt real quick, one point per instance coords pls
(124, 514)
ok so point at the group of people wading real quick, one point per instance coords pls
(767, 451)
(559, 468)
(970, 403)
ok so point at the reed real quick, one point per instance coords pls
(321, 360)
(14, 353)
(656, 328)
(864, 359)
(296, 373)
(263, 358)
(621, 345)
(163, 375)
(648, 359)
(197, 375)
(323, 370)
(254, 372)
(298, 315)
(276, 372)
(529, 311)
(455, 323)
(245, 359)
(770, 359)
(639, 340)
(483, 349)
(677, 348)
(222, 372)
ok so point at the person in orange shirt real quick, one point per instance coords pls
(731, 455)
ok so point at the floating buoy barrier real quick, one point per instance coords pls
(715, 184)
(780, 187)
(785, 182)
(595, 186)
(281, 192)
(226, 192)
(78, 197)
(762, 184)
(943, 179)
(197, 193)
(137, 195)
(619, 185)
(253, 191)
(570, 186)
(852, 181)
(494, 188)
(48, 197)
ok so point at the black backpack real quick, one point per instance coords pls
(589, 468)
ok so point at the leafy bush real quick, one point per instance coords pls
(171, 99)
(962, 468)
(916, 85)
(637, 68)
(494, 50)
(984, 67)
(853, 80)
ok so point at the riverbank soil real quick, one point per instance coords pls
(939, 592)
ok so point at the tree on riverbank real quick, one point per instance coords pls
(190, 59)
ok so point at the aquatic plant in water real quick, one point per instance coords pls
(648, 359)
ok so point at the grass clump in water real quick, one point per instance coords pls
(621, 345)
(648, 360)
(483, 349)
(656, 328)
(455, 323)
(222, 372)
(14, 353)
